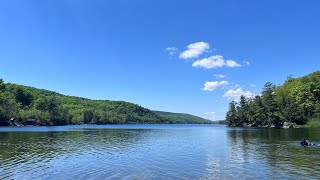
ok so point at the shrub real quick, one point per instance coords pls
(313, 123)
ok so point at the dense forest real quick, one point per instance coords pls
(182, 118)
(22, 104)
(297, 101)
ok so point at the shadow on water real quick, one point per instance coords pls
(275, 153)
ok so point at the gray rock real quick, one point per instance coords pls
(288, 125)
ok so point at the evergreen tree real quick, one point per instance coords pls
(296, 101)
(232, 116)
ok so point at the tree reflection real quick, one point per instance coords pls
(276, 151)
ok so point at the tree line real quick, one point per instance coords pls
(297, 101)
(19, 103)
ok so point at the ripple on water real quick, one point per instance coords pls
(169, 153)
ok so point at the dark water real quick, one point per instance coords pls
(157, 152)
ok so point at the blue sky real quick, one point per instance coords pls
(171, 55)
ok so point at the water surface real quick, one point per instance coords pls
(157, 151)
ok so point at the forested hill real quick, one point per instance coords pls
(19, 103)
(182, 118)
(297, 101)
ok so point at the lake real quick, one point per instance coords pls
(157, 152)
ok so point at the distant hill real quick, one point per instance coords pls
(182, 118)
(20, 103)
(220, 122)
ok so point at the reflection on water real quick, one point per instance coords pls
(274, 153)
(156, 151)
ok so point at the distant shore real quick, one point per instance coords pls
(35, 122)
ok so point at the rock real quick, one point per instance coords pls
(288, 125)
(297, 126)
(13, 122)
(263, 126)
(247, 125)
(32, 122)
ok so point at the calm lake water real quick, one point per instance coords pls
(157, 152)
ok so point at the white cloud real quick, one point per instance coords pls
(171, 50)
(253, 85)
(209, 115)
(236, 94)
(235, 85)
(232, 63)
(216, 61)
(219, 76)
(247, 63)
(194, 50)
(211, 86)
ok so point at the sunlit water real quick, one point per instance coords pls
(157, 152)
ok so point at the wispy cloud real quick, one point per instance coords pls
(219, 76)
(194, 50)
(171, 50)
(253, 85)
(209, 115)
(211, 86)
(216, 61)
(237, 93)
(235, 85)
(247, 63)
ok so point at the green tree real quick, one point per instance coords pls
(40, 104)
(290, 111)
(2, 85)
(23, 96)
(87, 116)
(305, 99)
(259, 112)
(8, 108)
(232, 116)
(270, 104)
(53, 109)
(244, 110)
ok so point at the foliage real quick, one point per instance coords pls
(22, 102)
(181, 118)
(8, 107)
(313, 123)
(296, 101)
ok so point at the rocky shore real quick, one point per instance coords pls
(285, 125)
